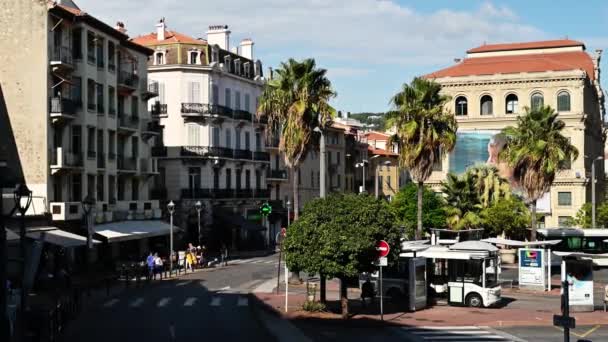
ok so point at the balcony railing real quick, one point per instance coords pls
(111, 66)
(91, 154)
(194, 193)
(242, 154)
(126, 163)
(128, 79)
(158, 109)
(242, 115)
(151, 126)
(158, 193)
(276, 174)
(144, 165)
(206, 109)
(63, 106)
(244, 193)
(261, 156)
(63, 158)
(149, 90)
(128, 121)
(206, 151)
(62, 54)
(112, 156)
(261, 193)
(159, 151)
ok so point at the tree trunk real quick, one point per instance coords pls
(323, 287)
(343, 298)
(533, 221)
(419, 211)
(294, 277)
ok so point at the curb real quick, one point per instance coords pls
(278, 327)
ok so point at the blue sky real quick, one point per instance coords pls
(370, 47)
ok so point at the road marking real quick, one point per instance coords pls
(451, 333)
(243, 301)
(215, 301)
(183, 283)
(163, 302)
(190, 301)
(590, 331)
(110, 303)
(269, 262)
(139, 301)
(225, 288)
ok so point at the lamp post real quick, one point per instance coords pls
(87, 207)
(171, 209)
(288, 212)
(386, 163)
(362, 166)
(199, 207)
(593, 180)
(322, 185)
(23, 200)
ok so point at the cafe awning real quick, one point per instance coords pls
(60, 238)
(133, 230)
(517, 243)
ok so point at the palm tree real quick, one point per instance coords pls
(536, 149)
(490, 187)
(295, 102)
(425, 132)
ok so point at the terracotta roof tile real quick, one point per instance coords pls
(381, 152)
(170, 37)
(527, 45)
(560, 61)
(377, 136)
(72, 10)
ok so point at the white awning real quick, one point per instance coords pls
(133, 230)
(581, 255)
(516, 243)
(60, 238)
(11, 236)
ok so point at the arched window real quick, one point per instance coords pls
(486, 105)
(461, 106)
(159, 58)
(511, 104)
(537, 101)
(563, 101)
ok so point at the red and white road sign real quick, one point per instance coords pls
(383, 248)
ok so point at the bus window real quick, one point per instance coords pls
(574, 243)
(592, 245)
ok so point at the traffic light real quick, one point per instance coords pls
(265, 209)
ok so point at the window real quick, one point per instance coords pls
(193, 134)
(194, 92)
(91, 142)
(258, 179)
(461, 106)
(216, 178)
(134, 147)
(90, 47)
(537, 101)
(194, 177)
(511, 104)
(237, 100)
(91, 89)
(77, 91)
(135, 106)
(339, 181)
(486, 105)
(338, 158)
(112, 189)
(100, 101)
(76, 143)
(100, 58)
(237, 142)
(159, 58)
(564, 221)
(227, 98)
(135, 189)
(258, 142)
(194, 57)
(215, 135)
(121, 189)
(111, 100)
(100, 141)
(76, 187)
(312, 178)
(111, 144)
(215, 95)
(247, 69)
(77, 43)
(228, 178)
(111, 57)
(228, 63)
(564, 198)
(91, 185)
(247, 179)
(238, 175)
(237, 66)
(247, 141)
(228, 138)
(100, 190)
(215, 56)
(247, 104)
(563, 101)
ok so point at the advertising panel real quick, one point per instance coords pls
(531, 267)
(579, 274)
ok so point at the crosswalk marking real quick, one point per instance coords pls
(215, 301)
(243, 301)
(137, 302)
(270, 262)
(110, 303)
(454, 333)
(163, 302)
(190, 301)
(183, 283)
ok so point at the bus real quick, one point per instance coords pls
(591, 241)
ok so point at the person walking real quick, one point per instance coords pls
(224, 255)
(158, 266)
(189, 261)
(150, 264)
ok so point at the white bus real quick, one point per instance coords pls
(590, 241)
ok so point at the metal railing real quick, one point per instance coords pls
(144, 165)
(63, 106)
(262, 156)
(152, 88)
(68, 158)
(62, 54)
(128, 79)
(244, 193)
(159, 151)
(261, 193)
(128, 121)
(126, 163)
(239, 114)
(242, 154)
(276, 174)
(206, 151)
(158, 109)
(206, 109)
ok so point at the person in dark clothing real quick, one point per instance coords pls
(367, 291)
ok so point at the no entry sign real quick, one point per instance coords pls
(383, 248)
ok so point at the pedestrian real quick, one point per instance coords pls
(158, 266)
(367, 291)
(224, 255)
(189, 261)
(150, 264)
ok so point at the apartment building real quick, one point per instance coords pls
(493, 85)
(75, 91)
(214, 147)
(383, 160)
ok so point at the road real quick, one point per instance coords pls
(211, 305)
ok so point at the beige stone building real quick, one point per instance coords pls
(491, 87)
(75, 91)
(384, 158)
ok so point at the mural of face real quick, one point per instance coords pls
(496, 144)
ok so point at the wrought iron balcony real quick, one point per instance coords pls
(150, 91)
(242, 154)
(126, 163)
(128, 122)
(261, 193)
(158, 109)
(206, 109)
(261, 156)
(63, 158)
(206, 151)
(277, 174)
(158, 193)
(244, 193)
(244, 115)
(61, 58)
(128, 80)
(62, 106)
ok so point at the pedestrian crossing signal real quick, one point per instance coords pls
(265, 209)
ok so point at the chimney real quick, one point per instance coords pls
(247, 48)
(120, 27)
(220, 35)
(235, 50)
(160, 29)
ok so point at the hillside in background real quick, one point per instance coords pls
(372, 121)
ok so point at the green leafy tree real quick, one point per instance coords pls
(535, 150)
(405, 207)
(336, 236)
(508, 215)
(583, 216)
(425, 132)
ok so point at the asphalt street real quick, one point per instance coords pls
(210, 305)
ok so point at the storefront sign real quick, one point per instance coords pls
(531, 267)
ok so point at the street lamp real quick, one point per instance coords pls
(385, 163)
(322, 184)
(593, 180)
(362, 166)
(288, 212)
(23, 200)
(199, 207)
(171, 209)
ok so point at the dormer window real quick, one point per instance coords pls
(215, 54)
(228, 63)
(237, 66)
(247, 69)
(159, 58)
(194, 57)
(258, 69)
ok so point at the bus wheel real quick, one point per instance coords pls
(474, 300)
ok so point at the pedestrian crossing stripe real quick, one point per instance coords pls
(243, 301)
(190, 301)
(216, 301)
(138, 302)
(163, 302)
(453, 333)
(110, 303)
